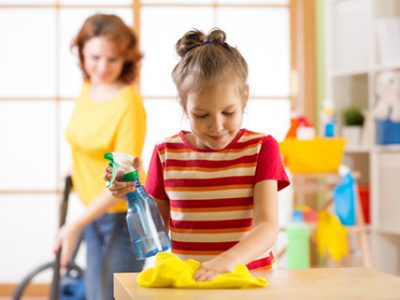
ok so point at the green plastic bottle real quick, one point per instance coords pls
(298, 249)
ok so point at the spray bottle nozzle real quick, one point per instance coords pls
(121, 161)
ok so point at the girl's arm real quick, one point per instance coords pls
(163, 207)
(261, 238)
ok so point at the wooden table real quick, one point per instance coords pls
(308, 284)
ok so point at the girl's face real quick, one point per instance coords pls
(216, 114)
(102, 60)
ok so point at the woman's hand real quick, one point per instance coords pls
(214, 267)
(67, 240)
(119, 188)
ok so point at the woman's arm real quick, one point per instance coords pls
(69, 233)
(261, 238)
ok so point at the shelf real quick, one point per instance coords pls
(360, 46)
(387, 148)
(356, 150)
(349, 73)
(384, 230)
(387, 66)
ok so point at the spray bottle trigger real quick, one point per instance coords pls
(114, 173)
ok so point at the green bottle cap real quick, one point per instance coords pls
(131, 176)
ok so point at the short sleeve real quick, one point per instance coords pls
(269, 163)
(130, 135)
(155, 177)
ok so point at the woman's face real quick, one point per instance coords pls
(102, 60)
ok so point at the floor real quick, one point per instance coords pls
(25, 298)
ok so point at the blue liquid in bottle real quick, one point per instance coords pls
(145, 224)
(146, 227)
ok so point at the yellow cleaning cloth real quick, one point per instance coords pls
(331, 236)
(170, 271)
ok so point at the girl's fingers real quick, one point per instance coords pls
(204, 274)
(120, 174)
(120, 189)
(136, 163)
(122, 186)
(199, 273)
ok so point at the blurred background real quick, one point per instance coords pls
(303, 56)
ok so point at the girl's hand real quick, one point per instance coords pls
(119, 188)
(67, 239)
(214, 267)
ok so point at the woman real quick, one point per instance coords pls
(109, 116)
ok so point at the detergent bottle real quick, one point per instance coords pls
(344, 197)
(298, 249)
(329, 119)
(146, 227)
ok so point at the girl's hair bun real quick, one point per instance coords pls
(195, 38)
(192, 39)
(216, 36)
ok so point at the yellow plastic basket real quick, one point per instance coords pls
(319, 155)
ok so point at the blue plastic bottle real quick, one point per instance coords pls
(344, 199)
(146, 227)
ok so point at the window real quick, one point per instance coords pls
(40, 77)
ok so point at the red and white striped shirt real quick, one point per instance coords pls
(210, 192)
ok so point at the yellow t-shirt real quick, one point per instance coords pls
(96, 127)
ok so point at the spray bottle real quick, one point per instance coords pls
(145, 224)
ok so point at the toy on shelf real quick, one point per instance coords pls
(329, 119)
(387, 109)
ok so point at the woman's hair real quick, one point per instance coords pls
(204, 59)
(112, 27)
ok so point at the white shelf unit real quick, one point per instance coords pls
(353, 60)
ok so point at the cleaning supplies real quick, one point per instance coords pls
(146, 227)
(329, 119)
(331, 236)
(344, 198)
(172, 272)
(298, 249)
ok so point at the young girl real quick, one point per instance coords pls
(216, 186)
(109, 116)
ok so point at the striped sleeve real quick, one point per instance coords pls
(269, 163)
(155, 177)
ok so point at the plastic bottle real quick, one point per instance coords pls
(146, 227)
(298, 249)
(344, 198)
(329, 119)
